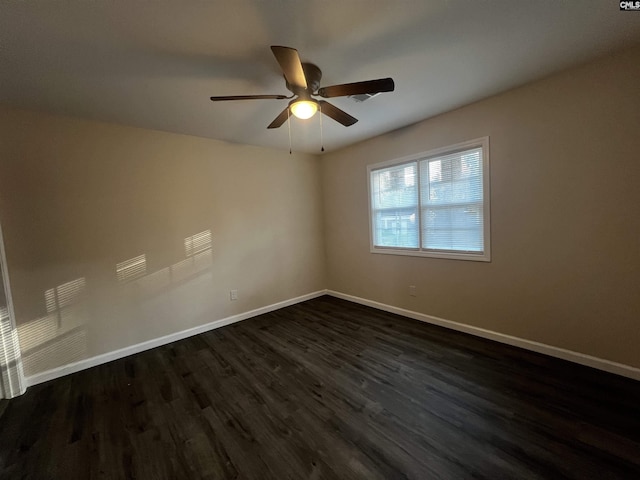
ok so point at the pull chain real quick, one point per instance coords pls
(321, 137)
(289, 125)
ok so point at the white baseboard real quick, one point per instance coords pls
(157, 342)
(580, 358)
(576, 357)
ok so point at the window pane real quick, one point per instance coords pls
(396, 228)
(394, 200)
(459, 228)
(452, 202)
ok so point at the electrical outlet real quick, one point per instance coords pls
(412, 290)
(233, 294)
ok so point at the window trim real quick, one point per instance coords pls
(485, 256)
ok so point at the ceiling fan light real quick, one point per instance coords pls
(304, 109)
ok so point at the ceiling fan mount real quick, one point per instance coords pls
(303, 81)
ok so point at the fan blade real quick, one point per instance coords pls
(338, 115)
(280, 119)
(248, 97)
(371, 87)
(291, 65)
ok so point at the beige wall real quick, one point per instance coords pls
(565, 230)
(79, 197)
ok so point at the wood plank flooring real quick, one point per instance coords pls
(327, 389)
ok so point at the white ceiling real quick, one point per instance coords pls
(154, 64)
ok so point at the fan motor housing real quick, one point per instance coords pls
(313, 75)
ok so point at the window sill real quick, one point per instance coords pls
(474, 257)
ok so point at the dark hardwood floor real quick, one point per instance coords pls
(326, 389)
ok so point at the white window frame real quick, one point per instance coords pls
(484, 256)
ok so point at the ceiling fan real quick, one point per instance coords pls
(303, 80)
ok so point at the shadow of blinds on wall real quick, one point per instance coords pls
(11, 374)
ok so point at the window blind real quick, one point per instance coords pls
(452, 202)
(395, 206)
(433, 204)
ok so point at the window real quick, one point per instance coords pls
(434, 204)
